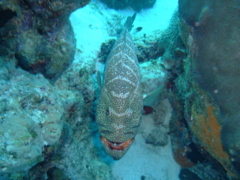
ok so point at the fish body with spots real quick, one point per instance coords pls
(120, 102)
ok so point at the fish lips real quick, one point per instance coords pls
(116, 150)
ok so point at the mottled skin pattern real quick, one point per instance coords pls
(120, 102)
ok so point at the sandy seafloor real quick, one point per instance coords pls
(95, 24)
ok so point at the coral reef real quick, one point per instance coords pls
(152, 76)
(86, 165)
(171, 44)
(162, 116)
(31, 118)
(147, 49)
(231, 142)
(56, 136)
(136, 5)
(209, 85)
(83, 140)
(206, 128)
(39, 35)
(35, 36)
(196, 130)
(185, 174)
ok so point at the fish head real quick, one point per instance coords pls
(116, 150)
(116, 139)
(118, 126)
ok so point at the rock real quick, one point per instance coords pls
(56, 174)
(171, 43)
(158, 137)
(212, 71)
(136, 5)
(39, 35)
(162, 116)
(153, 76)
(31, 118)
(100, 170)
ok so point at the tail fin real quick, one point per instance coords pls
(129, 22)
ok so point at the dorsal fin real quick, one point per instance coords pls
(129, 22)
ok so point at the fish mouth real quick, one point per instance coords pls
(115, 145)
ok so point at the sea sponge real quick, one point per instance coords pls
(213, 43)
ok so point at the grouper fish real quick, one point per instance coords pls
(120, 102)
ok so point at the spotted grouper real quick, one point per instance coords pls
(120, 102)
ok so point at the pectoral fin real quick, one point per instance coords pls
(99, 80)
(152, 97)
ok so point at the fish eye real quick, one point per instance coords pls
(107, 112)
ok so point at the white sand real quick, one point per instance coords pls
(142, 159)
(91, 22)
(153, 162)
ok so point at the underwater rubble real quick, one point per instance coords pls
(49, 91)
